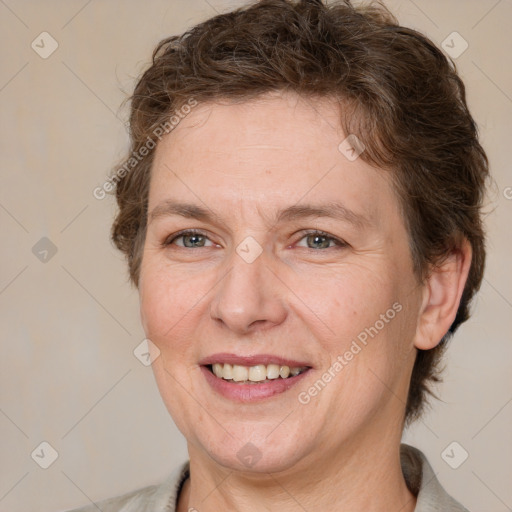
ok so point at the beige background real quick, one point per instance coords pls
(70, 324)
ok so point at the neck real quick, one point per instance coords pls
(353, 479)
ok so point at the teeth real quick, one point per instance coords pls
(217, 369)
(256, 373)
(284, 371)
(227, 372)
(272, 371)
(240, 373)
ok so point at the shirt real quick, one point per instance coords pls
(418, 474)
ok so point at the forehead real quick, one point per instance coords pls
(274, 121)
(270, 152)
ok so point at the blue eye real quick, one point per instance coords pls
(321, 240)
(191, 239)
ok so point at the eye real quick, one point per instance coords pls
(321, 240)
(193, 239)
(190, 239)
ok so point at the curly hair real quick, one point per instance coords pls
(402, 97)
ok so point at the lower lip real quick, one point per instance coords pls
(250, 392)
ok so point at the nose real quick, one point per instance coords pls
(249, 298)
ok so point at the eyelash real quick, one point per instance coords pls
(340, 243)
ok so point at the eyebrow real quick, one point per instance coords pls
(295, 212)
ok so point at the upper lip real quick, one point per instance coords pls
(253, 360)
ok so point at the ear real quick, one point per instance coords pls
(441, 297)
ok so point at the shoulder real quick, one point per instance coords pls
(422, 481)
(154, 498)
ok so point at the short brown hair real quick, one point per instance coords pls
(404, 99)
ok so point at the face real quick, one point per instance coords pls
(298, 258)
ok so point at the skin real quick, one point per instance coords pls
(298, 299)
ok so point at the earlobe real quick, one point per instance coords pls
(441, 298)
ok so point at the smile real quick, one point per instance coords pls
(251, 378)
(254, 374)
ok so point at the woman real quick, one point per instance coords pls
(300, 211)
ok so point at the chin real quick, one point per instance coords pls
(253, 460)
(256, 453)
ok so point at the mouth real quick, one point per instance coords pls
(252, 378)
(256, 374)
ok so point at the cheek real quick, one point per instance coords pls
(348, 300)
(166, 303)
(368, 321)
